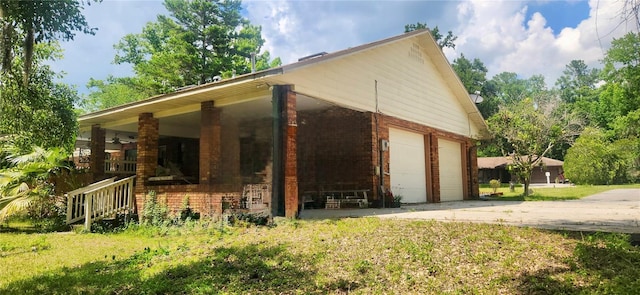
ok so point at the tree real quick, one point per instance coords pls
(622, 66)
(443, 41)
(25, 181)
(473, 75)
(527, 130)
(198, 41)
(113, 92)
(577, 81)
(511, 89)
(40, 113)
(593, 159)
(35, 21)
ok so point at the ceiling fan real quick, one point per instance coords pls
(118, 140)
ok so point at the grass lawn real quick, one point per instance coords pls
(551, 194)
(363, 256)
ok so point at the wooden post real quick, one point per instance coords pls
(88, 208)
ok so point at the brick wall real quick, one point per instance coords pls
(338, 149)
(335, 150)
(201, 201)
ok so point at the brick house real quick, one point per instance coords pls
(497, 168)
(388, 115)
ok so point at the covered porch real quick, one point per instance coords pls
(224, 147)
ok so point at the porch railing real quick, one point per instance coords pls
(256, 196)
(100, 200)
(117, 166)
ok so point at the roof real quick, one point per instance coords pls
(499, 162)
(248, 86)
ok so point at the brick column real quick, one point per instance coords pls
(147, 160)
(474, 187)
(428, 167)
(210, 141)
(97, 145)
(435, 168)
(285, 167)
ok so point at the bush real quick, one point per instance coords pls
(153, 212)
(495, 184)
(186, 212)
(595, 160)
(255, 218)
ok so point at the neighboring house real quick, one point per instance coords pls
(390, 114)
(497, 168)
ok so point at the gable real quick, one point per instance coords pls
(405, 78)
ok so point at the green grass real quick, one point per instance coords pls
(360, 256)
(554, 194)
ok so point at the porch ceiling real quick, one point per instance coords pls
(184, 121)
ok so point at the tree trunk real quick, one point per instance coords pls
(527, 181)
(29, 42)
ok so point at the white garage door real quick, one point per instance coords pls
(407, 165)
(450, 159)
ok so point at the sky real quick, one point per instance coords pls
(525, 37)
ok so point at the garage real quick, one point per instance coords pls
(450, 159)
(407, 166)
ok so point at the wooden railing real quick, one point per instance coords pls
(256, 196)
(118, 166)
(100, 200)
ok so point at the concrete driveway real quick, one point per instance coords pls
(612, 211)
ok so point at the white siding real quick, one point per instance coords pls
(409, 86)
(450, 159)
(407, 166)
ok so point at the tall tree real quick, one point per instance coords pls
(473, 74)
(527, 130)
(34, 21)
(442, 40)
(577, 81)
(40, 113)
(200, 39)
(622, 67)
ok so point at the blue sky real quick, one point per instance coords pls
(526, 37)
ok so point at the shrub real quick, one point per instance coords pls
(153, 212)
(186, 212)
(495, 184)
(255, 218)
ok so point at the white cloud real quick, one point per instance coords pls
(499, 34)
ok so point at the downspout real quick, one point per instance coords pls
(381, 191)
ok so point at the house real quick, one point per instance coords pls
(388, 115)
(497, 168)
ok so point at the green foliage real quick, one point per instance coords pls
(186, 213)
(495, 184)
(24, 182)
(527, 131)
(577, 81)
(443, 41)
(112, 92)
(251, 218)
(595, 160)
(154, 212)
(40, 113)
(26, 23)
